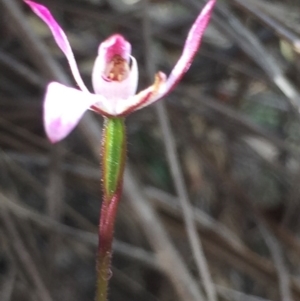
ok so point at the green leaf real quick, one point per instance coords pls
(113, 155)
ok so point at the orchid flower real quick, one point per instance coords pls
(114, 78)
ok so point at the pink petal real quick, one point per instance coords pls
(114, 45)
(60, 38)
(143, 98)
(114, 90)
(63, 108)
(191, 46)
(114, 58)
(161, 87)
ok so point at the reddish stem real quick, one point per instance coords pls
(106, 230)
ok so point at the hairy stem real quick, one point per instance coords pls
(113, 161)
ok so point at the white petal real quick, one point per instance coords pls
(63, 108)
(114, 90)
(143, 98)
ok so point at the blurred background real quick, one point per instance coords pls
(210, 209)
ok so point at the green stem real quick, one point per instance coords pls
(113, 161)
